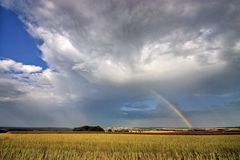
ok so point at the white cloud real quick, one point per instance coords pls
(10, 65)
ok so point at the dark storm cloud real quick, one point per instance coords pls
(225, 115)
(8, 91)
(18, 114)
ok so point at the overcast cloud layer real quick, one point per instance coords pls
(105, 57)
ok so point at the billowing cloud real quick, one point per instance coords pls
(8, 65)
(104, 55)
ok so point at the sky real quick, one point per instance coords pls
(129, 63)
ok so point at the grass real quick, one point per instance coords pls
(117, 147)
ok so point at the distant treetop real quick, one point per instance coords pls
(88, 128)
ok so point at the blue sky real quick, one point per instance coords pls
(16, 43)
(73, 63)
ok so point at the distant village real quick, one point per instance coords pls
(125, 130)
(171, 130)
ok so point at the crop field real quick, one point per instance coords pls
(117, 147)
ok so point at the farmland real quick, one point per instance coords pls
(117, 146)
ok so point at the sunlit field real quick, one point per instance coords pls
(117, 146)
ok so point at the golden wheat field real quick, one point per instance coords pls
(117, 147)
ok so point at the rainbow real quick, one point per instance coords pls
(173, 108)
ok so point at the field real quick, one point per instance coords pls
(117, 146)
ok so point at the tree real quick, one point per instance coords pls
(89, 128)
(3, 131)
